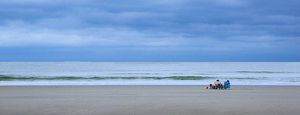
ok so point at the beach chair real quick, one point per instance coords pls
(227, 85)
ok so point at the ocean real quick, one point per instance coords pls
(148, 73)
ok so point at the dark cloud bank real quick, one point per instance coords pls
(149, 30)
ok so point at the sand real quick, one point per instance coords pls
(149, 100)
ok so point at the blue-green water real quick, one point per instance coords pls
(148, 73)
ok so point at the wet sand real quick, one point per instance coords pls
(149, 100)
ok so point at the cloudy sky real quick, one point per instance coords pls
(150, 30)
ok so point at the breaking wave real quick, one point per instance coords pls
(22, 78)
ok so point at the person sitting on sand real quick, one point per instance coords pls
(218, 84)
(211, 86)
(226, 84)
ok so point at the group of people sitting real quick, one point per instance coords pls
(219, 85)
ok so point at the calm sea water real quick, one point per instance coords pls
(149, 73)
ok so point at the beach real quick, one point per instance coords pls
(149, 100)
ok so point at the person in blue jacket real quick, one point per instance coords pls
(226, 84)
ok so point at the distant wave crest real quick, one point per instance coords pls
(258, 72)
(22, 78)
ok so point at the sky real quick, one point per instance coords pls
(150, 30)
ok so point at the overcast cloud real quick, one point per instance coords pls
(149, 30)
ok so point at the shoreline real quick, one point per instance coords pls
(149, 99)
